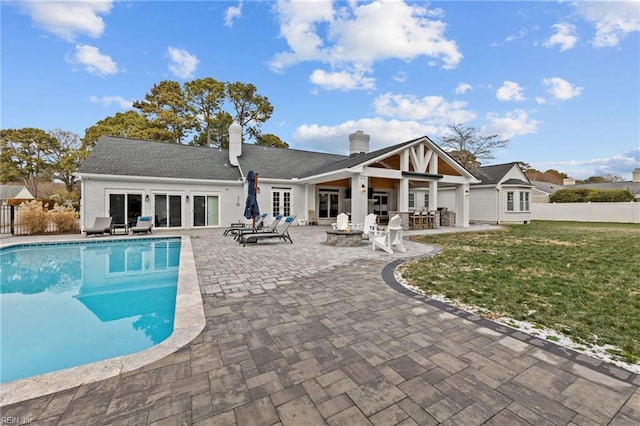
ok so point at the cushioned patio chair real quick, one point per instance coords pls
(258, 225)
(281, 233)
(143, 225)
(101, 226)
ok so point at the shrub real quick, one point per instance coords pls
(65, 218)
(33, 217)
(583, 195)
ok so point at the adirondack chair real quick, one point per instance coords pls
(342, 222)
(389, 238)
(370, 225)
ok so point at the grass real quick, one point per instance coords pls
(579, 279)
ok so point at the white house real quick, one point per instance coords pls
(188, 187)
(503, 195)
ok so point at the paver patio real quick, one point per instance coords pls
(304, 333)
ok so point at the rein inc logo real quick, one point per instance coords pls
(12, 420)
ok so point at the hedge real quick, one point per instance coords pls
(584, 195)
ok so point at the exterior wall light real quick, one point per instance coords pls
(187, 198)
(363, 188)
(146, 198)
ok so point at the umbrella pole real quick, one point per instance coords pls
(255, 191)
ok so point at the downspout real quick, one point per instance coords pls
(498, 205)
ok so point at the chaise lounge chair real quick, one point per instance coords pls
(238, 233)
(101, 226)
(236, 229)
(142, 225)
(282, 234)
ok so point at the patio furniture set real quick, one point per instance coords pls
(105, 225)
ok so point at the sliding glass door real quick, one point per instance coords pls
(167, 210)
(124, 207)
(205, 210)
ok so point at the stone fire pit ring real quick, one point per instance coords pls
(352, 238)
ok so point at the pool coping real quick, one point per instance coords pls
(189, 321)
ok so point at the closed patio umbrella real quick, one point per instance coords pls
(251, 209)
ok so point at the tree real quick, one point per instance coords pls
(26, 155)
(604, 178)
(469, 147)
(219, 132)
(270, 139)
(66, 157)
(204, 97)
(166, 106)
(251, 109)
(128, 124)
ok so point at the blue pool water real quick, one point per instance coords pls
(69, 304)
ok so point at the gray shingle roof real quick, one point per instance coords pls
(491, 175)
(10, 191)
(137, 157)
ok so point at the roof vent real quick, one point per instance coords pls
(358, 143)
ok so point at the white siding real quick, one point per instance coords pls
(447, 198)
(483, 205)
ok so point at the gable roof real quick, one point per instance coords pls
(492, 175)
(11, 191)
(139, 157)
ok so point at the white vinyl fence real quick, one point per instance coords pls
(587, 212)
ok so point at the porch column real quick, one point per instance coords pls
(359, 189)
(433, 195)
(462, 205)
(433, 185)
(403, 195)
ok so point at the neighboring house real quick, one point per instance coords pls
(14, 191)
(191, 187)
(542, 191)
(502, 196)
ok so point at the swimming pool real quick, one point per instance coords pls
(74, 303)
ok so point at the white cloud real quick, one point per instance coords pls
(565, 36)
(232, 13)
(182, 63)
(94, 61)
(342, 80)
(109, 100)
(429, 108)
(620, 164)
(335, 139)
(612, 20)
(463, 88)
(561, 89)
(67, 19)
(356, 36)
(510, 91)
(515, 123)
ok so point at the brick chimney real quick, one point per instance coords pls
(636, 175)
(235, 143)
(358, 143)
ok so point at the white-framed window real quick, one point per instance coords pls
(510, 201)
(524, 201)
(205, 209)
(412, 200)
(381, 203)
(426, 200)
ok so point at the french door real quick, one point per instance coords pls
(125, 207)
(167, 210)
(205, 210)
(328, 204)
(281, 201)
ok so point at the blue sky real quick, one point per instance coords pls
(559, 79)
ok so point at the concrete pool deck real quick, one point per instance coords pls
(304, 333)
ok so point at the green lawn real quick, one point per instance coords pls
(580, 279)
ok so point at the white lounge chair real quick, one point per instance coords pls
(370, 225)
(342, 222)
(390, 238)
(101, 226)
(143, 224)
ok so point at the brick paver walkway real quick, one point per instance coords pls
(305, 334)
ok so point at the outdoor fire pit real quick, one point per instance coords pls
(351, 238)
